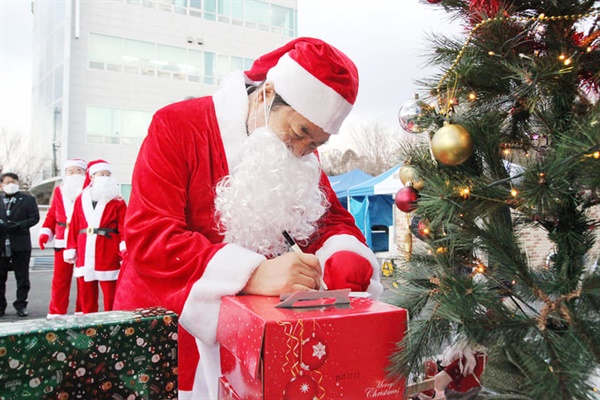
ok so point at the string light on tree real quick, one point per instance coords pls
(419, 227)
(464, 192)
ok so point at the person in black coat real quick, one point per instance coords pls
(18, 213)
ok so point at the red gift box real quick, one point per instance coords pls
(324, 352)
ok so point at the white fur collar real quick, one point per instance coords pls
(231, 107)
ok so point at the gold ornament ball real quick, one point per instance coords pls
(452, 145)
(409, 174)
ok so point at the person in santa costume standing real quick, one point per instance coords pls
(55, 227)
(95, 239)
(219, 178)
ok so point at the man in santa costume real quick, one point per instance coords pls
(216, 182)
(95, 238)
(55, 227)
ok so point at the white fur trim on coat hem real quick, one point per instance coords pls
(350, 243)
(91, 276)
(226, 274)
(78, 272)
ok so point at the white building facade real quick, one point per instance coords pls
(102, 68)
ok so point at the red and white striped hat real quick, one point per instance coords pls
(75, 162)
(314, 78)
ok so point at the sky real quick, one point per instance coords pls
(16, 31)
(385, 38)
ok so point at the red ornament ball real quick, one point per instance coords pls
(314, 353)
(406, 199)
(434, 1)
(419, 227)
(300, 388)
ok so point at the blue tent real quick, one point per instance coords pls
(371, 204)
(370, 201)
(387, 183)
(341, 183)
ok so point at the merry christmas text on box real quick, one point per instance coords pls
(327, 352)
(105, 355)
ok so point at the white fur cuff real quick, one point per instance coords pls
(47, 231)
(226, 274)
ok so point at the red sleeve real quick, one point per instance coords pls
(50, 221)
(170, 212)
(121, 212)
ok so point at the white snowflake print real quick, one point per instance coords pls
(304, 387)
(319, 350)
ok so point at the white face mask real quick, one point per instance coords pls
(11, 188)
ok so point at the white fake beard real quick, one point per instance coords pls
(72, 186)
(269, 191)
(104, 188)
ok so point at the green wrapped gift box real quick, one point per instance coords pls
(107, 355)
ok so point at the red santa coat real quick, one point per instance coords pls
(97, 256)
(176, 257)
(58, 218)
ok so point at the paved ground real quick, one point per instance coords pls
(40, 277)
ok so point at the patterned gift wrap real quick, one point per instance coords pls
(107, 355)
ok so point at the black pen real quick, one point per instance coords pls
(292, 243)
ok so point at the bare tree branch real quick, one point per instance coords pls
(373, 148)
(16, 156)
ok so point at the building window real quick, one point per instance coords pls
(253, 14)
(106, 125)
(105, 49)
(256, 12)
(210, 10)
(125, 191)
(154, 60)
(209, 68)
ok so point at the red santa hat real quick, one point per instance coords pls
(75, 162)
(316, 79)
(93, 167)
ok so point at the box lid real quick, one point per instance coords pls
(243, 321)
(74, 321)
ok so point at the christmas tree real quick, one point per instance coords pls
(514, 144)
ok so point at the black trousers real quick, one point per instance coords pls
(19, 262)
